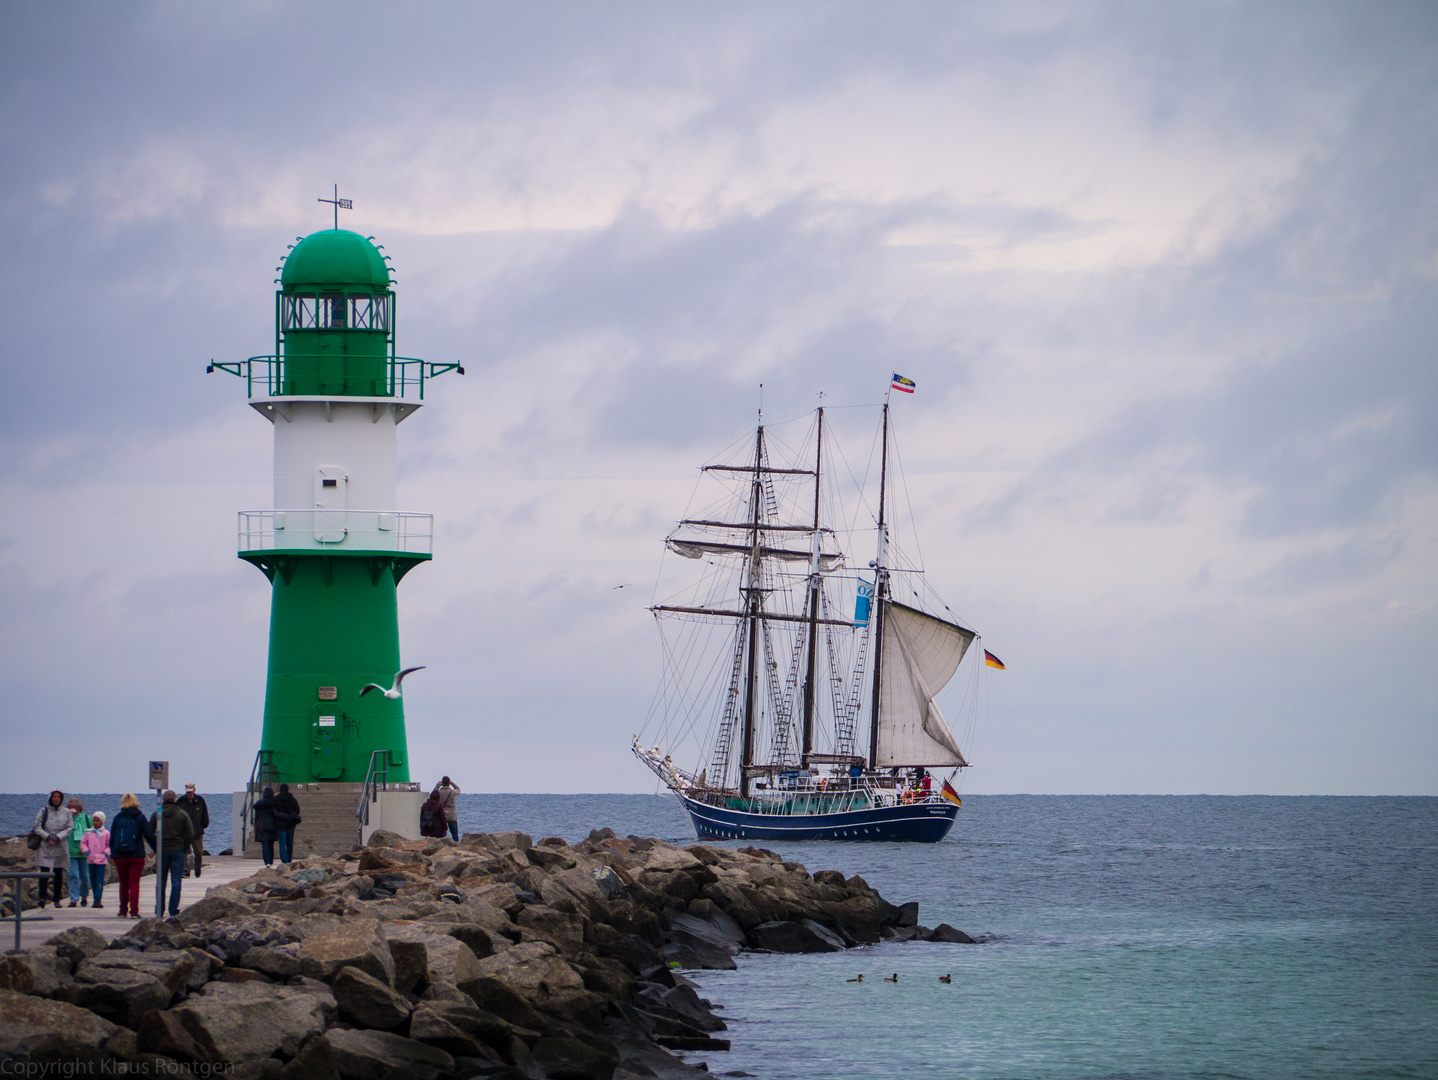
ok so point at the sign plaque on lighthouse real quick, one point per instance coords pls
(335, 546)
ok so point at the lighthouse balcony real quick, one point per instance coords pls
(379, 376)
(336, 530)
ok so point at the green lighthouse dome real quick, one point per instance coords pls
(334, 257)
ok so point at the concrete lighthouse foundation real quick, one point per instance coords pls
(334, 549)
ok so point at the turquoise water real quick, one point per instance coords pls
(1122, 936)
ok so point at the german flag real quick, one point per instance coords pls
(948, 792)
(992, 660)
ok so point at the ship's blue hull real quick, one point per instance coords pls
(920, 823)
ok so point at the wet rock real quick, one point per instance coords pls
(350, 943)
(908, 914)
(698, 956)
(233, 1022)
(716, 930)
(948, 934)
(791, 937)
(685, 1003)
(49, 1030)
(497, 997)
(370, 1055)
(571, 1059)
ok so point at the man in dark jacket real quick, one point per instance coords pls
(194, 805)
(287, 816)
(178, 835)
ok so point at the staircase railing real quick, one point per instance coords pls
(376, 779)
(261, 773)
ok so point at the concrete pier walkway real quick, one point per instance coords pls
(218, 870)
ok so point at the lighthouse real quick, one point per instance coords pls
(335, 545)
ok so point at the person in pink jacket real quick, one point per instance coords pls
(95, 845)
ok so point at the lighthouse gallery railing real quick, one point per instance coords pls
(265, 375)
(329, 530)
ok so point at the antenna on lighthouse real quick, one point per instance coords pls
(339, 204)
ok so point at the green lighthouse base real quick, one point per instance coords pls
(333, 629)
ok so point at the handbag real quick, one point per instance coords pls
(33, 841)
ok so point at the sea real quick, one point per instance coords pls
(1133, 937)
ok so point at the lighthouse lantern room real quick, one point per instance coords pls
(335, 545)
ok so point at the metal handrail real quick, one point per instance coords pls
(264, 375)
(375, 778)
(18, 876)
(264, 762)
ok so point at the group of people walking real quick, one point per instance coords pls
(68, 841)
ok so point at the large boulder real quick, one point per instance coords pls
(49, 1030)
(164, 1033)
(373, 1055)
(951, 935)
(45, 970)
(571, 1059)
(531, 969)
(77, 943)
(234, 1022)
(278, 962)
(171, 967)
(217, 904)
(367, 1002)
(791, 937)
(121, 995)
(424, 954)
(459, 1029)
(350, 943)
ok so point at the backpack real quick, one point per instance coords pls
(426, 821)
(123, 838)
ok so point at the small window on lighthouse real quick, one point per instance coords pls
(329, 483)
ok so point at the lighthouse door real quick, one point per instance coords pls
(331, 501)
(327, 747)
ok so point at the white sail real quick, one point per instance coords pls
(921, 654)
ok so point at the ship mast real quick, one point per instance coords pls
(754, 601)
(881, 594)
(814, 585)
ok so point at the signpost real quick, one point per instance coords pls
(159, 781)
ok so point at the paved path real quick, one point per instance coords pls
(219, 870)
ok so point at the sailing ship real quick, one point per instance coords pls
(794, 719)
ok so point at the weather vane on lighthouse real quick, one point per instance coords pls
(339, 204)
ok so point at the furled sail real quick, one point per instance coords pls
(921, 654)
(697, 549)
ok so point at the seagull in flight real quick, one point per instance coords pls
(394, 692)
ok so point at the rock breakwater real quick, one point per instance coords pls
(492, 957)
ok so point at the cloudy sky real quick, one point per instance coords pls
(1166, 276)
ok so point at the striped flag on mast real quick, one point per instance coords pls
(901, 383)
